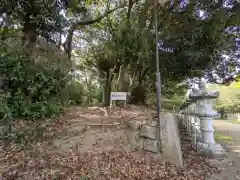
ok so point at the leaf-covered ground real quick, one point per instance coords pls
(39, 164)
(39, 161)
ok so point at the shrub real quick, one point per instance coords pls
(31, 88)
(75, 92)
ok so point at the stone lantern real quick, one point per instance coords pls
(206, 145)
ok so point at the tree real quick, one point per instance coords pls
(228, 100)
(118, 39)
(189, 43)
(36, 17)
(48, 19)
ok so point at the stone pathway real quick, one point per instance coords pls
(230, 166)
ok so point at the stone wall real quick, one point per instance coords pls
(144, 135)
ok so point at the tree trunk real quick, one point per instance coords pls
(68, 42)
(29, 33)
(106, 94)
(88, 83)
(138, 95)
(76, 25)
(123, 81)
(130, 5)
(60, 41)
(108, 87)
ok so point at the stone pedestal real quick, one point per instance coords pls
(211, 150)
(207, 130)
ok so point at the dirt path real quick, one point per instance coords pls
(77, 146)
(230, 166)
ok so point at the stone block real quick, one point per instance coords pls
(134, 139)
(134, 125)
(210, 150)
(153, 122)
(171, 145)
(149, 132)
(151, 145)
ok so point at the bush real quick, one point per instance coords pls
(75, 92)
(80, 93)
(31, 88)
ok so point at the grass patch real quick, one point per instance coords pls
(219, 137)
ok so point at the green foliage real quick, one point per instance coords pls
(229, 97)
(84, 178)
(93, 94)
(190, 45)
(31, 90)
(41, 16)
(75, 92)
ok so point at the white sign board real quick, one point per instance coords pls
(118, 96)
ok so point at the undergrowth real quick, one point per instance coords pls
(34, 87)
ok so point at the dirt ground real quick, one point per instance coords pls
(89, 143)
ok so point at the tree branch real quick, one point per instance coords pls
(130, 5)
(68, 43)
(98, 19)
